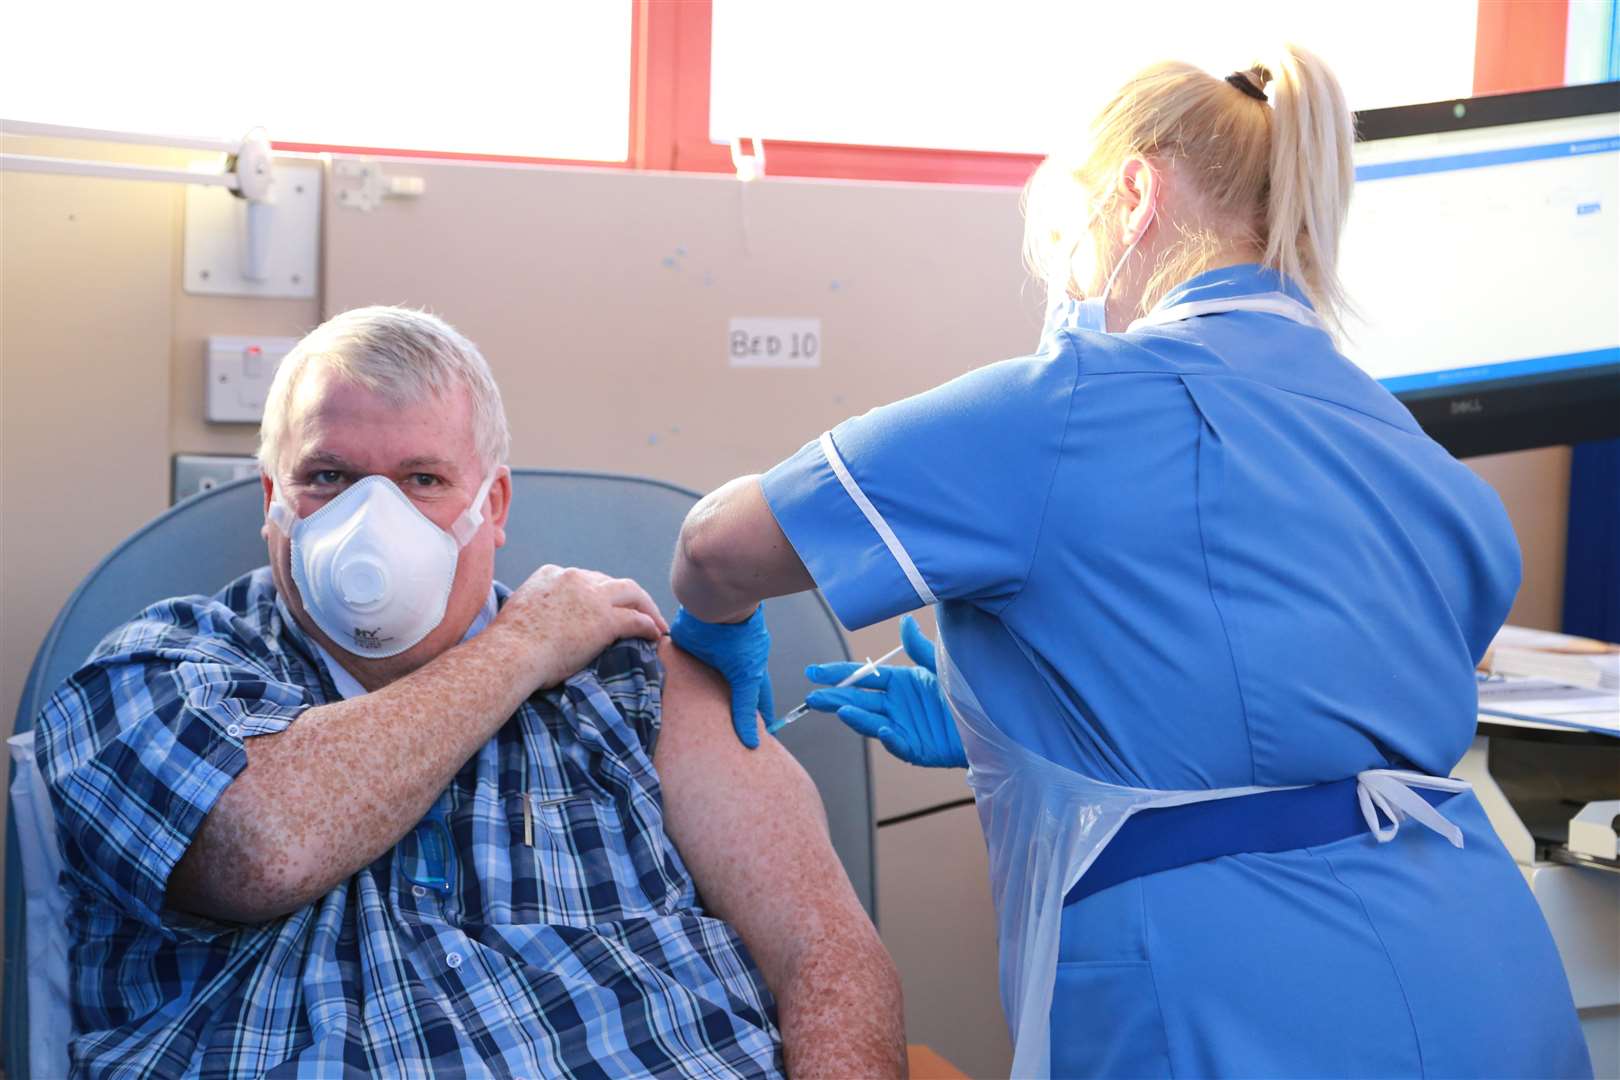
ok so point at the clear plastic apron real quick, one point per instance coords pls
(1044, 825)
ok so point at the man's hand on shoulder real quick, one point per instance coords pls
(366, 769)
(751, 828)
(561, 618)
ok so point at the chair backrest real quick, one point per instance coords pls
(621, 525)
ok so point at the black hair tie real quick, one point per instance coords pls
(1242, 81)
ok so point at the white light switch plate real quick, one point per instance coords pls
(239, 370)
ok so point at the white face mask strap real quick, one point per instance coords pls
(1108, 286)
(280, 514)
(472, 519)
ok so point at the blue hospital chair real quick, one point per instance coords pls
(622, 525)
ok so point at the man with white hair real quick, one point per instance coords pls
(366, 812)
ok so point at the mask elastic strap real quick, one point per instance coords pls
(1108, 286)
(279, 513)
(471, 520)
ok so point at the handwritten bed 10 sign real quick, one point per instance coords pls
(760, 341)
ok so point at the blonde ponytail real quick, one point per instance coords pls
(1272, 175)
(1311, 177)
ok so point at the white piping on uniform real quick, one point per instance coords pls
(875, 519)
(1270, 303)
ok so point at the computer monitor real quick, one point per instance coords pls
(1483, 257)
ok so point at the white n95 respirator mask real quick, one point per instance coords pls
(373, 571)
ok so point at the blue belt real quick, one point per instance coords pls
(1166, 837)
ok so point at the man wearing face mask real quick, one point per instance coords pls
(368, 812)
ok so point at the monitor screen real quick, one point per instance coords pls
(1482, 258)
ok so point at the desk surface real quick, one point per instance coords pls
(1508, 724)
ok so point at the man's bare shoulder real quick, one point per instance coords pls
(716, 790)
(697, 733)
(695, 701)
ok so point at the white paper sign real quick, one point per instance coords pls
(766, 341)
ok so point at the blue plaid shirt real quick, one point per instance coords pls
(584, 953)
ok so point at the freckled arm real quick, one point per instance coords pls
(343, 783)
(752, 830)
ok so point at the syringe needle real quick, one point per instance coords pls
(854, 677)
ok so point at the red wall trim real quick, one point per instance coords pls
(1520, 45)
(898, 163)
(692, 149)
(652, 77)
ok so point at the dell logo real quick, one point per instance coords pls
(1472, 406)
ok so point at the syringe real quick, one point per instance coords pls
(854, 677)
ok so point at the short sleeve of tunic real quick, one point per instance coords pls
(937, 497)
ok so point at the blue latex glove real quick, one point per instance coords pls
(901, 707)
(738, 651)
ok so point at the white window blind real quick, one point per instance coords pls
(1014, 75)
(476, 76)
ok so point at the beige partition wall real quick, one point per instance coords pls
(1534, 486)
(603, 298)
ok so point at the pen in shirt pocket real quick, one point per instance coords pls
(530, 802)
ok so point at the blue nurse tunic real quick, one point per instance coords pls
(1211, 554)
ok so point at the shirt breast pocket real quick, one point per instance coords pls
(580, 859)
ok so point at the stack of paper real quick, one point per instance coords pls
(1547, 678)
(1570, 660)
(1550, 702)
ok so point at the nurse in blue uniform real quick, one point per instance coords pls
(1209, 606)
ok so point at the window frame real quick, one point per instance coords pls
(1519, 45)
